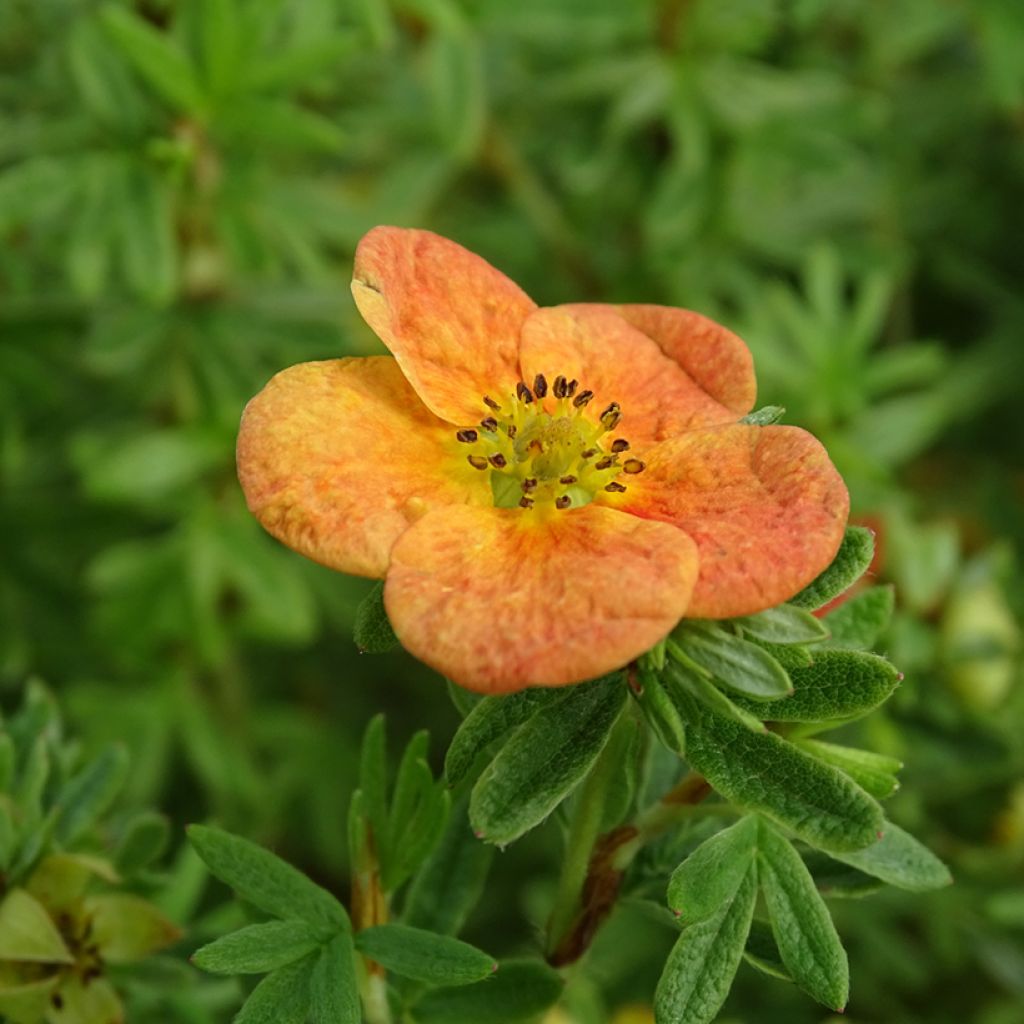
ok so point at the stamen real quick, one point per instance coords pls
(611, 416)
(589, 453)
(477, 461)
(633, 466)
(540, 385)
(570, 388)
(511, 430)
(615, 488)
(606, 463)
(620, 444)
(489, 424)
(582, 398)
(498, 461)
(467, 436)
(491, 403)
(567, 479)
(525, 502)
(529, 485)
(559, 387)
(564, 501)
(523, 393)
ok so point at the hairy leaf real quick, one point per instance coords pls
(258, 948)
(282, 997)
(544, 760)
(701, 966)
(333, 991)
(876, 773)
(851, 562)
(899, 859)
(785, 624)
(425, 956)
(710, 876)
(372, 631)
(807, 939)
(859, 621)
(740, 665)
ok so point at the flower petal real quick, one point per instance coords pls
(450, 318)
(716, 359)
(336, 459)
(500, 599)
(765, 505)
(608, 356)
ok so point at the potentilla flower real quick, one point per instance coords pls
(546, 492)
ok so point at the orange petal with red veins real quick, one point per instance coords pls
(450, 318)
(502, 599)
(337, 458)
(716, 359)
(618, 363)
(765, 505)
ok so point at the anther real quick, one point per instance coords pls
(498, 461)
(570, 388)
(491, 403)
(559, 387)
(467, 436)
(588, 454)
(511, 430)
(523, 393)
(620, 444)
(490, 424)
(567, 480)
(615, 488)
(525, 502)
(563, 502)
(582, 398)
(611, 416)
(477, 461)
(529, 485)
(540, 385)
(606, 463)
(633, 466)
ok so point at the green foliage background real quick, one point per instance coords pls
(182, 185)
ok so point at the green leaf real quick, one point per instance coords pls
(451, 882)
(851, 562)
(765, 416)
(144, 841)
(458, 88)
(520, 991)
(762, 772)
(544, 760)
(372, 632)
(859, 621)
(128, 928)
(27, 1003)
(899, 859)
(807, 939)
(684, 687)
(876, 773)
(701, 966)
(738, 664)
(711, 875)
(333, 989)
(88, 794)
(373, 779)
(488, 721)
(156, 58)
(264, 880)
(785, 624)
(837, 685)
(282, 997)
(259, 948)
(149, 253)
(425, 956)
(28, 933)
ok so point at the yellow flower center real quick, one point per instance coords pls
(539, 457)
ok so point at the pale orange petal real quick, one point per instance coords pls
(450, 318)
(337, 458)
(765, 505)
(502, 599)
(620, 364)
(716, 359)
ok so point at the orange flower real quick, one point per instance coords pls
(546, 491)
